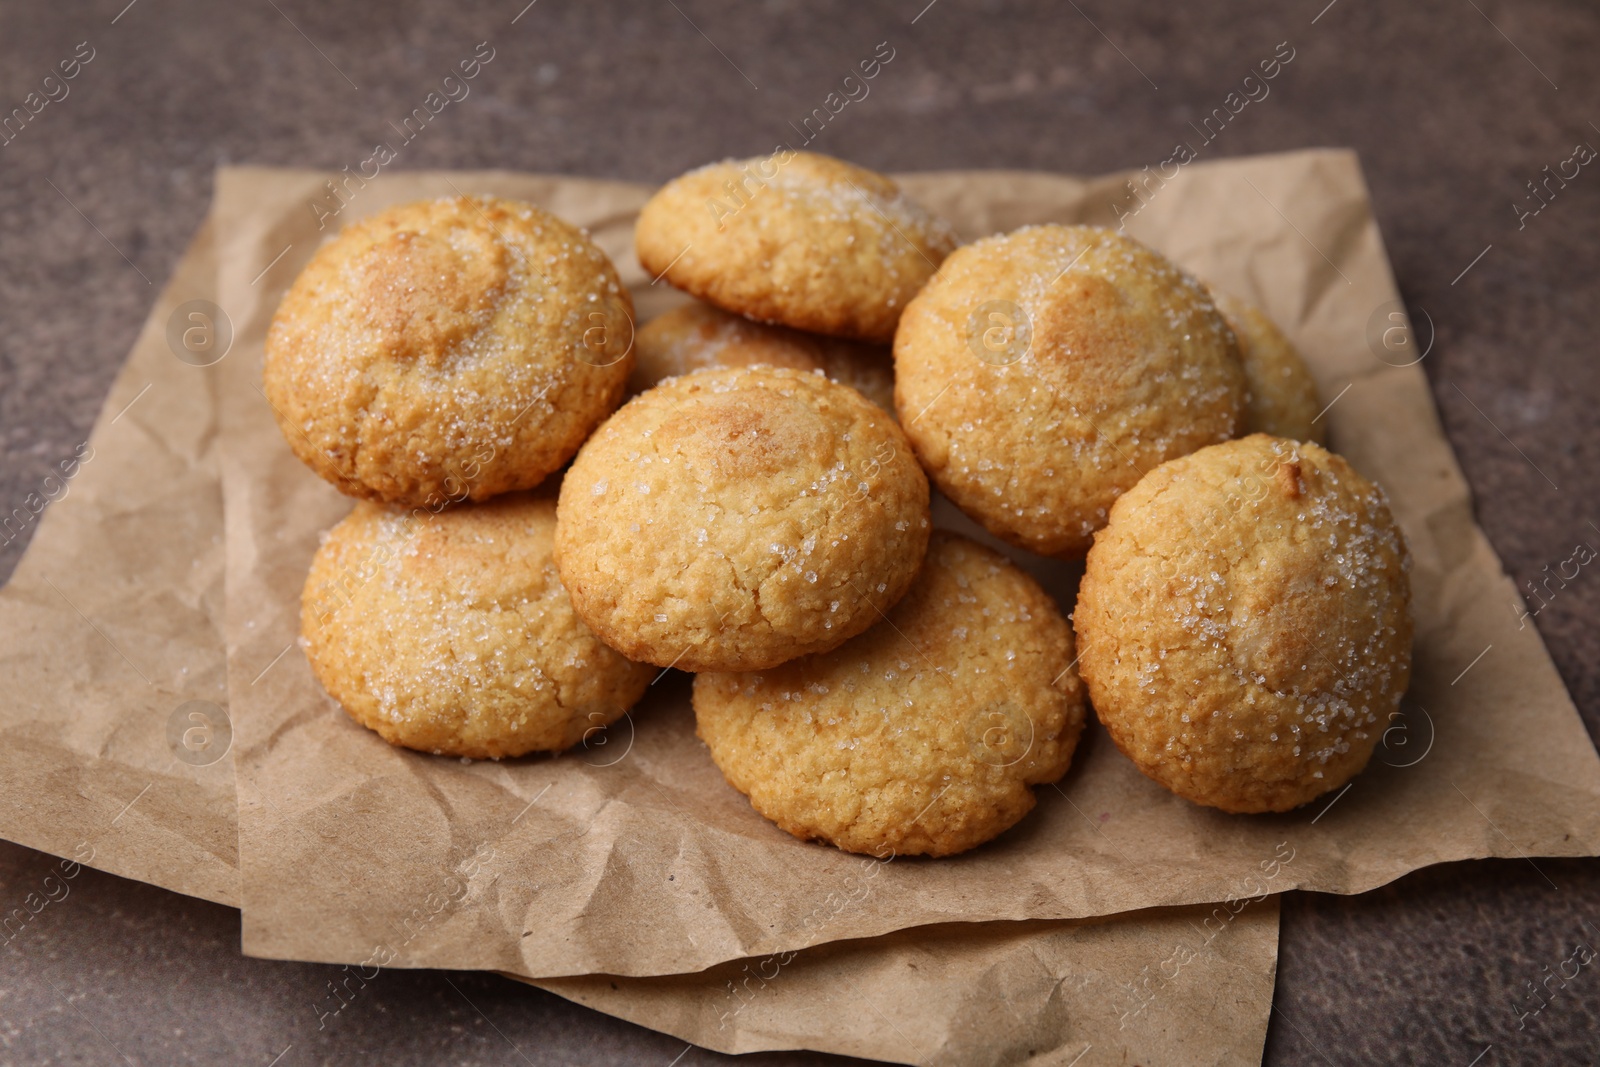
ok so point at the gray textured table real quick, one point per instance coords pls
(1453, 105)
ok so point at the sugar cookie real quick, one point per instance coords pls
(698, 335)
(1041, 373)
(794, 238)
(925, 734)
(1244, 623)
(1282, 397)
(452, 634)
(448, 349)
(734, 519)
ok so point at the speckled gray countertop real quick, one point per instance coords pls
(1454, 106)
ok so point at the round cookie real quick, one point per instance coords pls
(1282, 397)
(1244, 623)
(698, 335)
(922, 736)
(1042, 372)
(734, 519)
(448, 349)
(794, 238)
(452, 634)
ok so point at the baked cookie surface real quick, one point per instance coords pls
(452, 634)
(925, 734)
(734, 519)
(794, 238)
(698, 335)
(1244, 623)
(448, 349)
(1042, 372)
(1282, 396)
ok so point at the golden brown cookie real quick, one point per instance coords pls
(1041, 373)
(734, 519)
(698, 335)
(1244, 623)
(448, 349)
(922, 736)
(794, 238)
(1282, 397)
(452, 634)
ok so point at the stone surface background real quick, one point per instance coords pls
(1454, 106)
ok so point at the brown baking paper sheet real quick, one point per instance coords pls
(113, 621)
(1170, 986)
(635, 858)
(1115, 987)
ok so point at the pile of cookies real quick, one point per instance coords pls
(758, 512)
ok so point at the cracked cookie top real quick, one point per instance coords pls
(733, 519)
